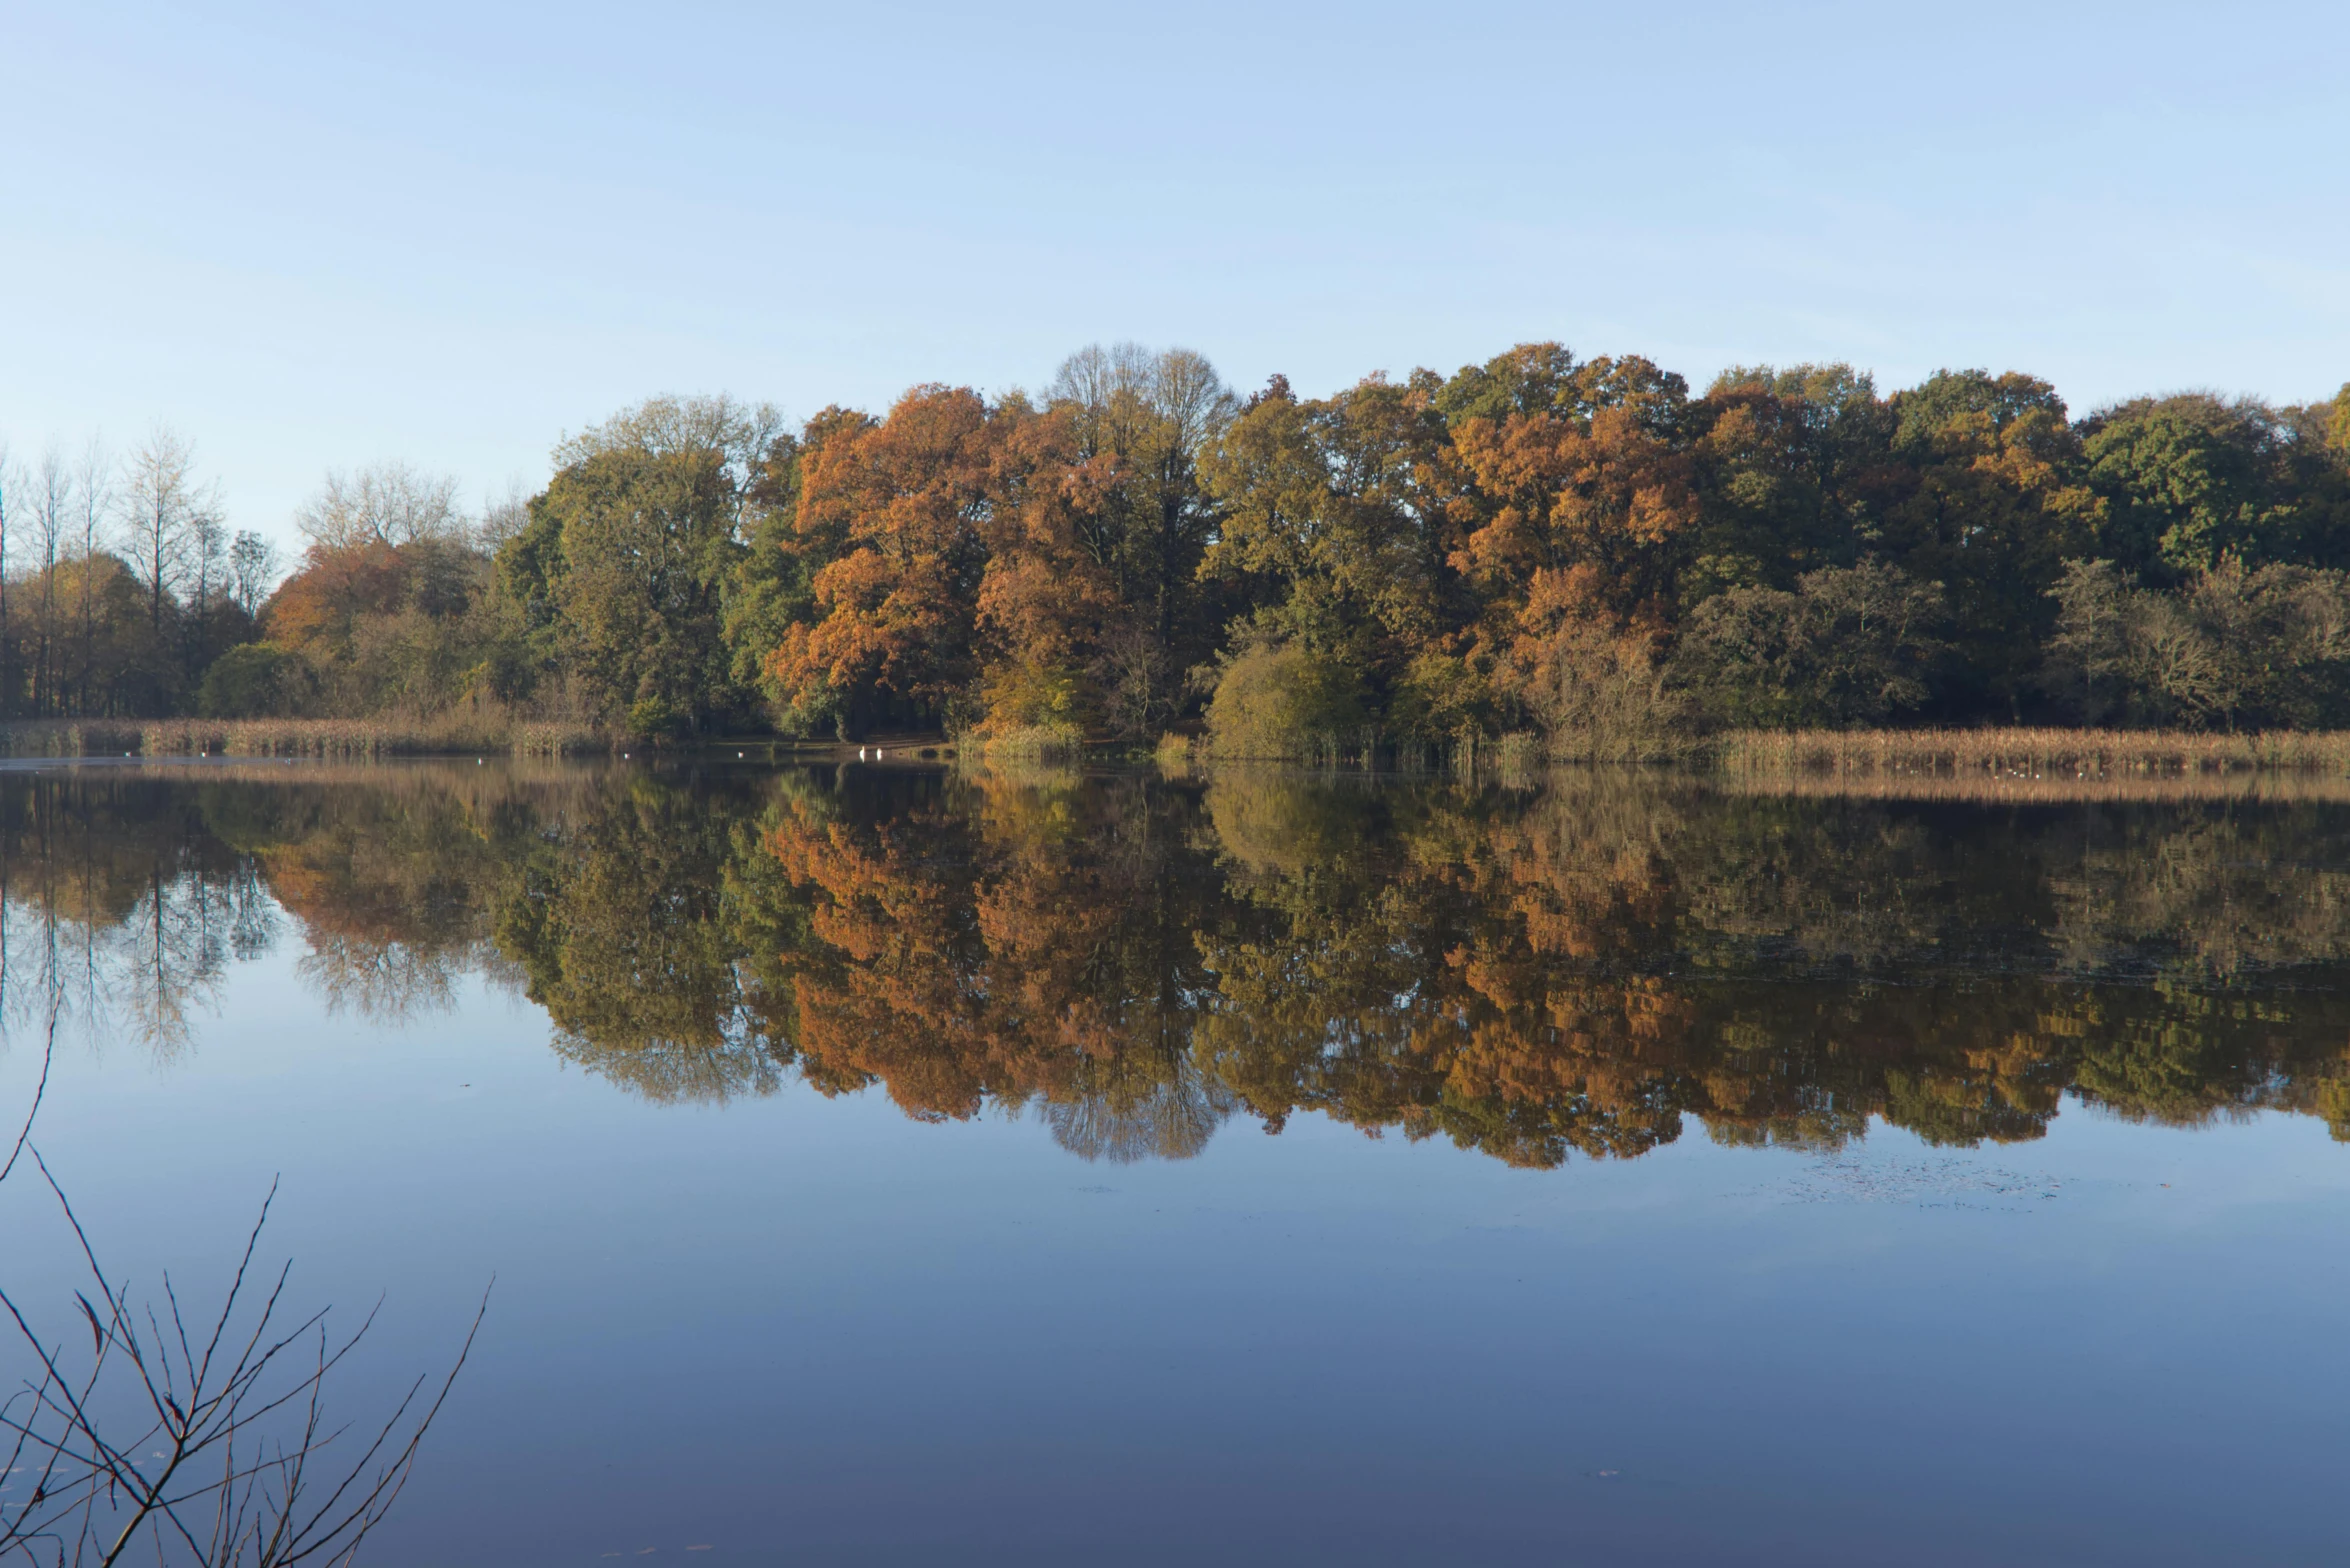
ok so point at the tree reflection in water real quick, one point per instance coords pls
(1528, 972)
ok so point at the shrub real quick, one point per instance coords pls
(653, 719)
(1280, 702)
(256, 680)
(1600, 696)
(1034, 693)
(1032, 743)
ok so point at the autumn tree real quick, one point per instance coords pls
(897, 508)
(377, 617)
(1580, 504)
(1056, 644)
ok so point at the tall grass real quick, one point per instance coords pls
(457, 733)
(69, 737)
(555, 738)
(1028, 743)
(2243, 784)
(2028, 754)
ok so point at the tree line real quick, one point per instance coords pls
(1582, 551)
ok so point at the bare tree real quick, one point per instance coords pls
(1153, 414)
(208, 566)
(253, 567)
(388, 503)
(502, 518)
(166, 513)
(11, 483)
(94, 498)
(51, 502)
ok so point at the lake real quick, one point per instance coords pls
(883, 1164)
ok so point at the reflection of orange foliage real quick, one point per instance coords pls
(894, 1010)
(963, 957)
(1601, 1040)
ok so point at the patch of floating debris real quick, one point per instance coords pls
(1925, 1184)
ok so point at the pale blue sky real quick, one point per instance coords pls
(313, 236)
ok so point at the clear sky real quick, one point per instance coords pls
(321, 235)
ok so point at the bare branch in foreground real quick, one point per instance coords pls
(210, 1446)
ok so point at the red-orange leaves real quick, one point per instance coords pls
(905, 502)
(1611, 492)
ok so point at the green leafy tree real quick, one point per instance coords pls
(1989, 502)
(1791, 463)
(1337, 524)
(620, 576)
(1140, 425)
(2189, 480)
(1851, 645)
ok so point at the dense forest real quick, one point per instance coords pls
(1582, 552)
(1139, 961)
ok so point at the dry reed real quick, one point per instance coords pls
(453, 734)
(69, 737)
(2242, 785)
(2027, 755)
(1030, 743)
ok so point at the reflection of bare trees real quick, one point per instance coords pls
(145, 977)
(172, 953)
(386, 982)
(1149, 1117)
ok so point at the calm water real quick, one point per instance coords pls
(883, 1166)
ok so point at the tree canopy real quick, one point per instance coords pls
(1585, 551)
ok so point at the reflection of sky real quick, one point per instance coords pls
(803, 1330)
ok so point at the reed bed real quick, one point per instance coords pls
(2029, 755)
(69, 737)
(2062, 789)
(1029, 743)
(456, 734)
(555, 738)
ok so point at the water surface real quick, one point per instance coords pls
(880, 1165)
